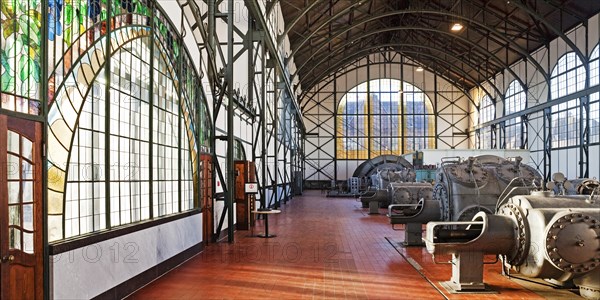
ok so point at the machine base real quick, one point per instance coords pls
(411, 244)
(373, 207)
(454, 288)
(413, 235)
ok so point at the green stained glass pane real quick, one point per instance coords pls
(68, 36)
(82, 7)
(36, 70)
(176, 49)
(24, 63)
(8, 82)
(4, 60)
(20, 43)
(68, 14)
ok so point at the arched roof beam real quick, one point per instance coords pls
(488, 9)
(399, 28)
(367, 51)
(559, 33)
(516, 47)
(329, 20)
(463, 73)
(289, 26)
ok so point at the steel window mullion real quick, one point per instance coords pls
(151, 115)
(107, 128)
(179, 125)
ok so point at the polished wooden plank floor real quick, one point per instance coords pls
(326, 248)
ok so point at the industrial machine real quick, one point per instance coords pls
(385, 182)
(381, 171)
(467, 187)
(383, 162)
(391, 187)
(541, 235)
(463, 188)
(581, 186)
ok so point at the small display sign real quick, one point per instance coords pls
(251, 188)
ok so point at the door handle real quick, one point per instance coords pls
(8, 258)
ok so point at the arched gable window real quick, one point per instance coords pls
(515, 100)
(383, 116)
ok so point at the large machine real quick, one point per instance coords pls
(392, 180)
(541, 235)
(581, 186)
(462, 189)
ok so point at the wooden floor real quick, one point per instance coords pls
(325, 248)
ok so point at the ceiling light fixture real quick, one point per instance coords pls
(456, 27)
(419, 69)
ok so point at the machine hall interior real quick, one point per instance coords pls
(139, 135)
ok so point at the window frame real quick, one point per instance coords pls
(374, 118)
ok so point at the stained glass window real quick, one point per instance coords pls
(20, 55)
(384, 116)
(123, 132)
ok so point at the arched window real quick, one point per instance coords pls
(383, 116)
(594, 66)
(514, 101)
(487, 112)
(568, 76)
(123, 129)
(594, 98)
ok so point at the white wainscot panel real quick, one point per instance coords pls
(89, 271)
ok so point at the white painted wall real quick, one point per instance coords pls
(89, 271)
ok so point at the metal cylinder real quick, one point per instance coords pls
(490, 234)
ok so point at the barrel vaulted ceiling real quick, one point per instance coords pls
(326, 35)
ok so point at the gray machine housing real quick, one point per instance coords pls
(382, 171)
(467, 187)
(542, 235)
(464, 188)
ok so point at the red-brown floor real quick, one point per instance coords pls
(325, 248)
